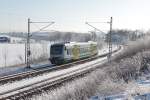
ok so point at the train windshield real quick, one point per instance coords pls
(56, 49)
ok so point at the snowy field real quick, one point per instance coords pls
(14, 54)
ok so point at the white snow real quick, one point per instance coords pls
(17, 84)
(105, 49)
(13, 54)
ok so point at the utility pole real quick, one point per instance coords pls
(110, 41)
(28, 45)
(28, 51)
(109, 36)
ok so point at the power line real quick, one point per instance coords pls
(28, 51)
(46, 26)
(94, 27)
(109, 36)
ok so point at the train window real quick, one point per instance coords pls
(56, 49)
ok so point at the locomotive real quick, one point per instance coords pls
(61, 53)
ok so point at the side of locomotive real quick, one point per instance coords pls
(63, 53)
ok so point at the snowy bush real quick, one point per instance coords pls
(133, 47)
(80, 89)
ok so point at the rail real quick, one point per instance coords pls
(27, 74)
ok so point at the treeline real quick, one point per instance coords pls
(55, 36)
(118, 36)
(123, 36)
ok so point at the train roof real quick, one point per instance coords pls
(75, 43)
(89, 42)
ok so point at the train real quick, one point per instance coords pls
(61, 53)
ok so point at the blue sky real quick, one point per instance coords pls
(71, 15)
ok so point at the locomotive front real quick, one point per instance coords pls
(57, 53)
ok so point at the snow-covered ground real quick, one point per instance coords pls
(17, 84)
(139, 90)
(14, 54)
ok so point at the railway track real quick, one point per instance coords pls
(35, 72)
(25, 90)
